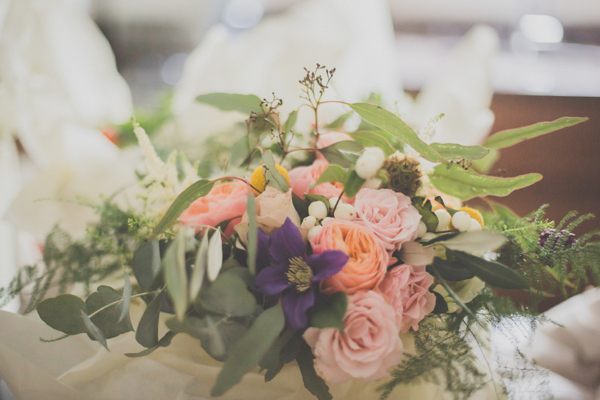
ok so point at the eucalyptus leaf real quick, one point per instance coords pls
(165, 341)
(474, 242)
(453, 151)
(331, 315)
(146, 264)
(280, 353)
(343, 153)
(427, 216)
(318, 197)
(272, 175)
(147, 330)
(63, 313)
(247, 352)
(228, 296)
(107, 320)
(93, 330)
(300, 205)
(252, 233)
(176, 275)
(333, 173)
(126, 297)
(454, 180)
(215, 256)
(204, 329)
(244, 103)
(441, 307)
(352, 184)
(485, 164)
(339, 122)
(390, 123)
(491, 272)
(414, 253)
(199, 269)
(511, 137)
(450, 270)
(290, 122)
(182, 202)
(241, 150)
(372, 139)
(313, 382)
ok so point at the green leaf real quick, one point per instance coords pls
(450, 270)
(229, 296)
(165, 341)
(290, 122)
(452, 151)
(300, 205)
(474, 242)
(353, 184)
(484, 165)
(107, 320)
(215, 256)
(273, 175)
(427, 216)
(284, 350)
(126, 298)
(244, 103)
(252, 233)
(343, 153)
(63, 313)
(318, 197)
(491, 272)
(146, 264)
(200, 263)
(147, 330)
(511, 137)
(465, 184)
(332, 314)
(93, 330)
(241, 150)
(313, 382)
(250, 348)
(338, 123)
(175, 274)
(372, 139)
(441, 307)
(182, 202)
(390, 123)
(333, 173)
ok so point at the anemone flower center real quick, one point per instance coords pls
(299, 274)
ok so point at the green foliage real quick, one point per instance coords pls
(332, 313)
(353, 183)
(175, 274)
(343, 153)
(424, 208)
(333, 173)
(272, 175)
(63, 313)
(452, 151)
(490, 272)
(374, 139)
(312, 381)
(227, 296)
(147, 330)
(243, 103)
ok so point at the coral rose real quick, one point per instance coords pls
(390, 216)
(368, 259)
(303, 177)
(225, 201)
(406, 288)
(367, 348)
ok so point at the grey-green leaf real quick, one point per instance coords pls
(450, 270)
(250, 348)
(147, 330)
(333, 173)
(453, 151)
(290, 122)
(182, 202)
(126, 297)
(215, 256)
(465, 184)
(165, 341)
(343, 153)
(491, 272)
(476, 241)
(313, 382)
(63, 313)
(228, 296)
(510, 137)
(252, 233)
(175, 274)
(93, 330)
(393, 125)
(244, 103)
(353, 183)
(273, 175)
(199, 270)
(372, 139)
(108, 319)
(332, 314)
(146, 264)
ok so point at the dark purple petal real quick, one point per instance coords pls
(326, 264)
(295, 304)
(286, 243)
(263, 257)
(272, 280)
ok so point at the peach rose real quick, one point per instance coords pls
(368, 259)
(225, 201)
(367, 348)
(272, 208)
(406, 288)
(389, 215)
(302, 178)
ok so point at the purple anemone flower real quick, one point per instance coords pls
(286, 269)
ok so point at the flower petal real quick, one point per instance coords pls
(272, 280)
(295, 304)
(328, 263)
(286, 243)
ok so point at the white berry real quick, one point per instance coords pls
(325, 220)
(376, 153)
(461, 221)
(345, 211)
(372, 183)
(333, 201)
(428, 236)
(308, 222)
(314, 231)
(444, 219)
(474, 225)
(422, 229)
(317, 209)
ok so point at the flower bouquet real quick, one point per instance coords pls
(346, 252)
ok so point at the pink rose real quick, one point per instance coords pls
(302, 178)
(225, 201)
(406, 288)
(367, 348)
(389, 215)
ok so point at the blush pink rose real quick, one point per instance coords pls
(389, 215)
(302, 178)
(368, 347)
(368, 260)
(406, 288)
(225, 201)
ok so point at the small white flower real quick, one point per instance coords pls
(314, 231)
(308, 222)
(372, 183)
(444, 219)
(345, 211)
(317, 209)
(461, 221)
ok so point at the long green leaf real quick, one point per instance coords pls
(312, 381)
(490, 272)
(247, 352)
(126, 297)
(146, 264)
(147, 330)
(165, 341)
(200, 263)
(244, 103)
(333, 173)
(390, 123)
(93, 330)
(272, 174)
(453, 151)
(290, 122)
(183, 201)
(465, 184)
(343, 153)
(372, 139)
(510, 137)
(252, 233)
(175, 274)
